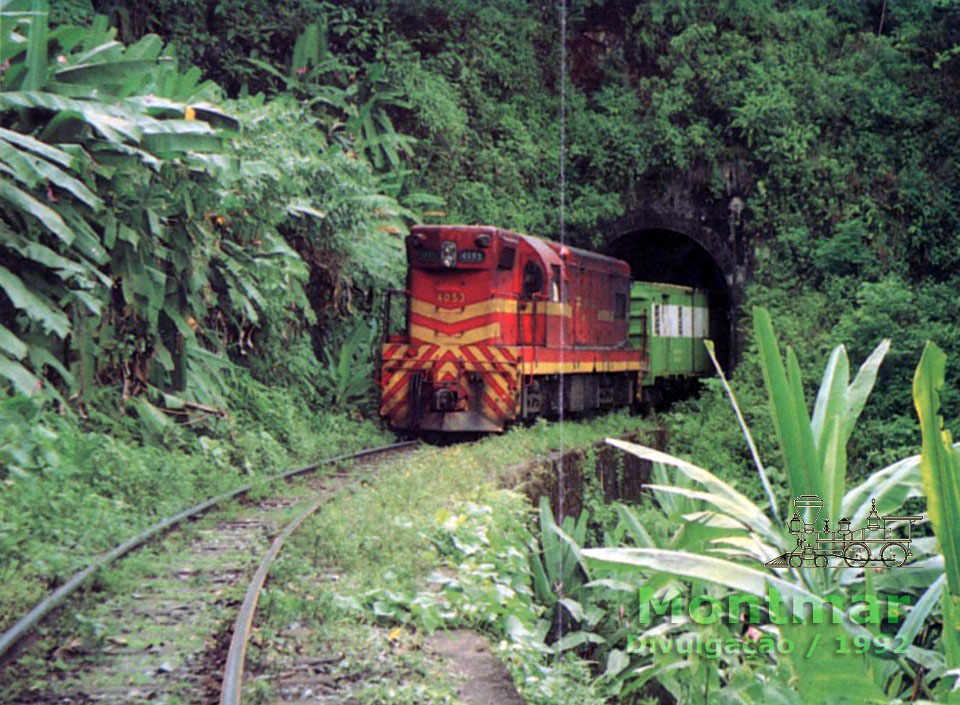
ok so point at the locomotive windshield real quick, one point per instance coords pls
(532, 280)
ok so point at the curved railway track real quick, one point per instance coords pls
(230, 691)
(164, 638)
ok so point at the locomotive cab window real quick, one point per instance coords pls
(507, 256)
(619, 306)
(532, 280)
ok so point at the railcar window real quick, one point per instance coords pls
(532, 280)
(619, 306)
(507, 256)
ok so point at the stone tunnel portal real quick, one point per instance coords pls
(663, 255)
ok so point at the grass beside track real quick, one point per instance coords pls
(69, 493)
(431, 542)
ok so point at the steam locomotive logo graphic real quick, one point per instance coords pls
(877, 542)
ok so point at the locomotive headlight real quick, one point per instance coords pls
(448, 254)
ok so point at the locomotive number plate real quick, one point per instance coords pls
(451, 297)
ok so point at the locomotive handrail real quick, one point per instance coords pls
(539, 296)
(386, 309)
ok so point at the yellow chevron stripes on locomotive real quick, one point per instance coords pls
(446, 371)
(497, 366)
(488, 307)
(455, 315)
(473, 357)
(395, 391)
(468, 358)
(467, 337)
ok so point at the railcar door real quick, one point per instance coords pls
(533, 321)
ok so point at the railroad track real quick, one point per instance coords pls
(163, 638)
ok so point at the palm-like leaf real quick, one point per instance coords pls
(940, 471)
(98, 119)
(814, 448)
(743, 538)
(721, 494)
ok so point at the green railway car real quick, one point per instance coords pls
(670, 322)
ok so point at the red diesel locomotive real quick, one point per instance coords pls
(492, 320)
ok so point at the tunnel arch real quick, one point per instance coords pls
(685, 251)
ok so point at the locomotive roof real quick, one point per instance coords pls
(575, 254)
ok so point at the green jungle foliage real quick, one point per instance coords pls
(200, 202)
(836, 123)
(719, 552)
(149, 236)
(167, 259)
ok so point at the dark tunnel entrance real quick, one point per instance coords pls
(661, 255)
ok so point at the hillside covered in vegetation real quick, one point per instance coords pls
(203, 201)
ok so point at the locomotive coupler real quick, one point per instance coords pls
(445, 400)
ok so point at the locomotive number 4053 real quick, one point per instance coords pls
(451, 297)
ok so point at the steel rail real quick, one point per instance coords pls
(230, 690)
(30, 620)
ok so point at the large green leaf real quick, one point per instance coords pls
(890, 487)
(34, 145)
(148, 47)
(788, 410)
(28, 204)
(106, 51)
(37, 46)
(19, 376)
(747, 512)
(32, 304)
(940, 473)
(306, 50)
(41, 254)
(11, 344)
(838, 406)
(32, 170)
(912, 625)
(96, 74)
(112, 123)
(939, 462)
